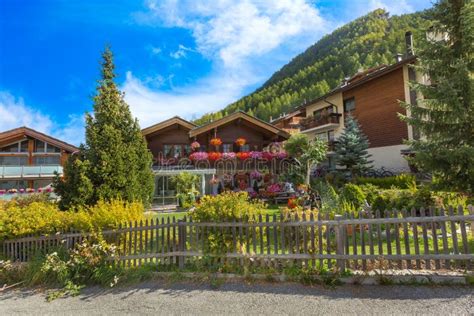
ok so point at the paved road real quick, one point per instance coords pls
(239, 298)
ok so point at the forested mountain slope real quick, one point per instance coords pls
(368, 41)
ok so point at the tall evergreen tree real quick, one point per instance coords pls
(352, 148)
(445, 114)
(115, 157)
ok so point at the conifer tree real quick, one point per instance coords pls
(115, 157)
(352, 148)
(445, 114)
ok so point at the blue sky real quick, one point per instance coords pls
(172, 57)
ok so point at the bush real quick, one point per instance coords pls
(330, 201)
(37, 218)
(402, 181)
(403, 199)
(186, 184)
(352, 194)
(371, 192)
(227, 206)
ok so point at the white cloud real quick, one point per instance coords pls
(181, 52)
(234, 30)
(15, 113)
(246, 41)
(152, 105)
(155, 50)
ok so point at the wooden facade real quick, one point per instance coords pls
(23, 148)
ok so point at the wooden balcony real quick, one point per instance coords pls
(313, 122)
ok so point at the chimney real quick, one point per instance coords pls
(398, 58)
(409, 43)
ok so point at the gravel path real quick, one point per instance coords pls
(239, 298)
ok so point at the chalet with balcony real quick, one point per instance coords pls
(372, 97)
(29, 159)
(224, 153)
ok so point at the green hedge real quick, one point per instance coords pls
(402, 181)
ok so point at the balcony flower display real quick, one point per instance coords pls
(2, 192)
(214, 155)
(30, 190)
(255, 175)
(40, 190)
(228, 156)
(267, 155)
(22, 190)
(198, 156)
(280, 155)
(256, 154)
(49, 190)
(216, 141)
(12, 191)
(195, 145)
(240, 141)
(243, 155)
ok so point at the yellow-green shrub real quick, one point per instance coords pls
(40, 218)
(227, 206)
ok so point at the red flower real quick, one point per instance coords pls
(243, 155)
(213, 156)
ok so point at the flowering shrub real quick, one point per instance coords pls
(274, 188)
(198, 156)
(267, 155)
(216, 141)
(240, 141)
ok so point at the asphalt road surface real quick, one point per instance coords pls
(237, 298)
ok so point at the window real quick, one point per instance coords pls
(227, 148)
(47, 160)
(349, 105)
(178, 151)
(24, 146)
(326, 136)
(13, 148)
(245, 147)
(13, 161)
(40, 147)
(187, 150)
(52, 149)
(167, 150)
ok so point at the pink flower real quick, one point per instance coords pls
(256, 154)
(281, 155)
(198, 156)
(195, 145)
(229, 156)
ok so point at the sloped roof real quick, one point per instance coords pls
(234, 116)
(19, 132)
(166, 123)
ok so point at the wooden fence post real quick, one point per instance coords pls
(181, 242)
(340, 243)
(471, 211)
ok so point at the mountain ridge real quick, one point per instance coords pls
(365, 42)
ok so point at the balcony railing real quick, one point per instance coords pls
(317, 121)
(7, 172)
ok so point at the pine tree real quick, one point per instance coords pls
(115, 159)
(445, 114)
(351, 148)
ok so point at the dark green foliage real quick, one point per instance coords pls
(445, 114)
(403, 199)
(115, 161)
(402, 181)
(352, 148)
(366, 42)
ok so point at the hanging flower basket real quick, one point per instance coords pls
(216, 141)
(240, 141)
(30, 190)
(12, 191)
(281, 155)
(195, 145)
(214, 155)
(198, 156)
(243, 155)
